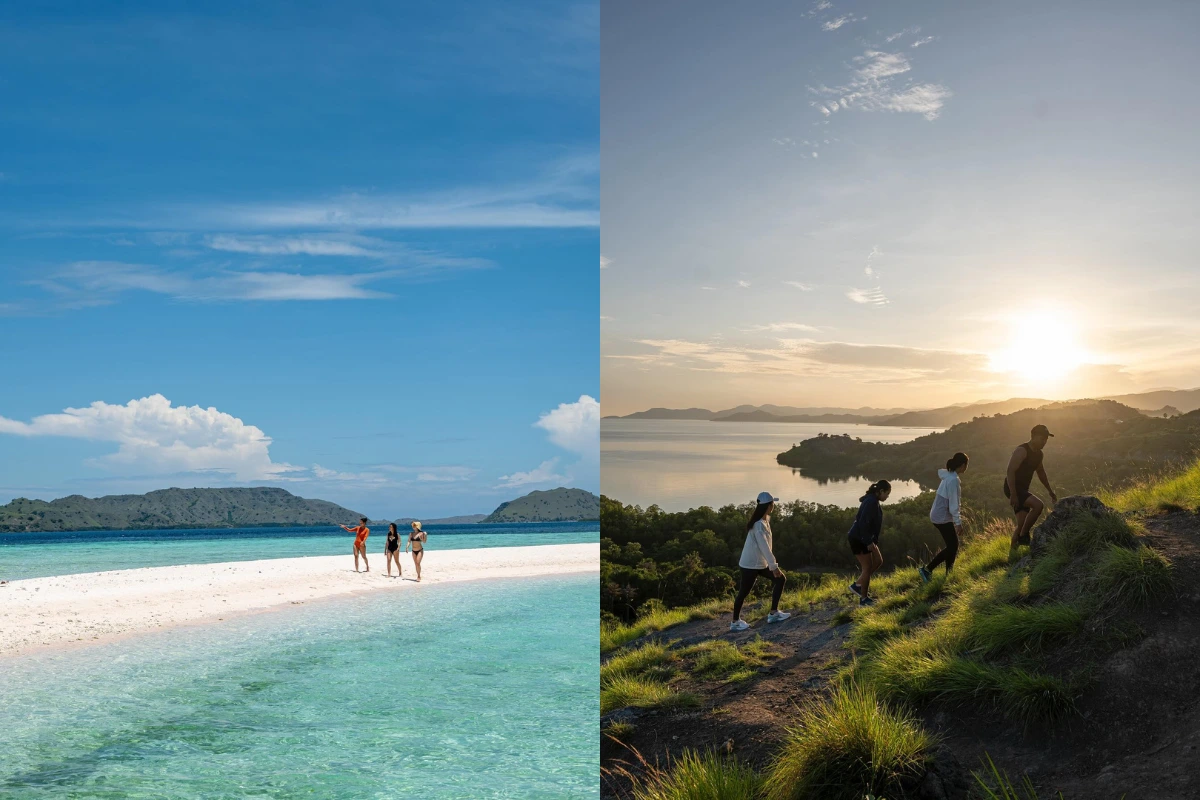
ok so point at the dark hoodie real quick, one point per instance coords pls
(869, 520)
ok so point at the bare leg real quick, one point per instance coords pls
(1035, 506)
(365, 561)
(356, 558)
(864, 575)
(1016, 536)
(417, 556)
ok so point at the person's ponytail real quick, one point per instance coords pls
(955, 461)
(878, 487)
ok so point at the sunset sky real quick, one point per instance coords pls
(897, 205)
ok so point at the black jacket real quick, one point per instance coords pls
(869, 520)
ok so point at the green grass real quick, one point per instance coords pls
(618, 730)
(699, 777)
(653, 656)
(1140, 577)
(613, 636)
(632, 691)
(996, 785)
(1162, 493)
(722, 660)
(850, 745)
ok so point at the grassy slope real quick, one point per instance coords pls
(993, 634)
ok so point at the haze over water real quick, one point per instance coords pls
(682, 464)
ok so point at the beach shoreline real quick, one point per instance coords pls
(90, 608)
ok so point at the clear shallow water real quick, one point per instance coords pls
(473, 690)
(32, 555)
(682, 464)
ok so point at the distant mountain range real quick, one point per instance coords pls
(261, 506)
(555, 505)
(1160, 402)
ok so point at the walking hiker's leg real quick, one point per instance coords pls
(1035, 506)
(864, 577)
(951, 550)
(777, 592)
(1021, 515)
(748, 579)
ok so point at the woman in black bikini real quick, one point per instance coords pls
(391, 551)
(416, 541)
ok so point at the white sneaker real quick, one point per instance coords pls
(739, 625)
(778, 616)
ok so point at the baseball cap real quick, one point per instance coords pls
(1040, 430)
(766, 497)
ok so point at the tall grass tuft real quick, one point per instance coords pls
(1139, 577)
(1162, 493)
(613, 636)
(723, 660)
(700, 777)
(996, 785)
(850, 745)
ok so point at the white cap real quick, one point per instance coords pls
(765, 497)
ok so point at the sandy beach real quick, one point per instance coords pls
(99, 606)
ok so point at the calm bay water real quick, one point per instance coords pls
(32, 555)
(475, 690)
(682, 464)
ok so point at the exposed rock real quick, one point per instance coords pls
(1064, 511)
(621, 715)
(945, 778)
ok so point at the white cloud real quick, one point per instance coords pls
(152, 434)
(604, 262)
(302, 245)
(98, 282)
(871, 88)
(870, 297)
(605, 319)
(814, 154)
(804, 287)
(777, 327)
(744, 284)
(575, 426)
(709, 288)
(837, 22)
(893, 37)
(543, 473)
(926, 40)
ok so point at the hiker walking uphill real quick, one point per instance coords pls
(946, 514)
(1025, 461)
(864, 538)
(757, 559)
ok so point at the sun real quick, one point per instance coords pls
(1041, 349)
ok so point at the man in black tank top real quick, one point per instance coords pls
(1025, 462)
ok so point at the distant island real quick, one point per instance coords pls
(555, 505)
(1157, 403)
(173, 508)
(254, 507)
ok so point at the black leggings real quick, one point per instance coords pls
(948, 553)
(749, 576)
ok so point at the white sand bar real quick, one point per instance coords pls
(98, 606)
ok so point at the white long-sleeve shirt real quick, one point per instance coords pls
(946, 503)
(756, 553)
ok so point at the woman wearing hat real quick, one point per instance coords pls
(758, 559)
(416, 542)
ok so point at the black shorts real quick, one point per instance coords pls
(858, 548)
(1025, 494)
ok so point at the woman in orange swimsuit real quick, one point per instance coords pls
(360, 542)
(416, 541)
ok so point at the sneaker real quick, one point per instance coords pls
(854, 588)
(925, 574)
(867, 601)
(1024, 539)
(739, 625)
(777, 616)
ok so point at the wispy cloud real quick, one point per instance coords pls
(88, 283)
(924, 41)
(709, 288)
(870, 297)
(779, 327)
(804, 287)
(604, 262)
(837, 22)
(872, 88)
(909, 30)
(744, 284)
(301, 245)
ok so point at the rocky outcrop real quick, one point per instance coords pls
(1065, 510)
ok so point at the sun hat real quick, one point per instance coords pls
(766, 497)
(416, 524)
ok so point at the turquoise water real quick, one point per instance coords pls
(32, 555)
(474, 690)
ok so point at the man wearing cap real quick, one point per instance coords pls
(758, 559)
(1025, 461)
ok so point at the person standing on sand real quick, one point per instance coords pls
(758, 559)
(360, 541)
(864, 538)
(391, 551)
(1025, 461)
(416, 541)
(946, 514)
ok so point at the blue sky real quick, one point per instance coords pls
(897, 204)
(345, 249)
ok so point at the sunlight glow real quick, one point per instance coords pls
(1041, 349)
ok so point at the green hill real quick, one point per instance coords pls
(173, 508)
(555, 505)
